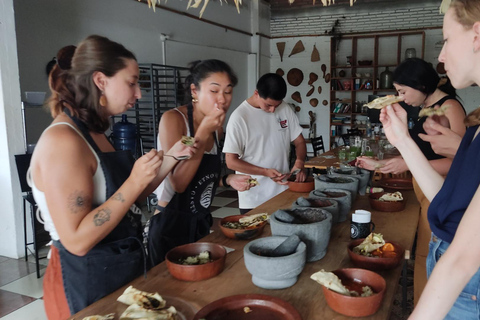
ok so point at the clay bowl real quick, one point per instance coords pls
(306, 186)
(196, 272)
(375, 263)
(354, 279)
(240, 234)
(385, 206)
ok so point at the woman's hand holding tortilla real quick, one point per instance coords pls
(368, 163)
(443, 140)
(394, 120)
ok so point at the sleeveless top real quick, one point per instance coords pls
(461, 183)
(99, 191)
(165, 190)
(425, 146)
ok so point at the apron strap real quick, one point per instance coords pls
(83, 128)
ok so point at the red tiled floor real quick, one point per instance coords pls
(10, 302)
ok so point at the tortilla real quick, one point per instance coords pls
(331, 281)
(109, 316)
(188, 141)
(427, 112)
(395, 196)
(137, 312)
(144, 299)
(382, 102)
(254, 219)
(371, 243)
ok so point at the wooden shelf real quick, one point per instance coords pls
(354, 47)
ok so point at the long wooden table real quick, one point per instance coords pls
(324, 160)
(306, 295)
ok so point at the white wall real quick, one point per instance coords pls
(303, 62)
(41, 28)
(11, 138)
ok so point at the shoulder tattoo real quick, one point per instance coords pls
(101, 217)
(118, 196)
(78, 201)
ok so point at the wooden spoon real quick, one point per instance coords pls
(324, 69)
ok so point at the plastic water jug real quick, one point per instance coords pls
(124, 135)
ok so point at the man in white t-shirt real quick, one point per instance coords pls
(258, 137)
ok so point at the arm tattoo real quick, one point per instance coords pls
(78, 201)
(119, 197)
(101, 217)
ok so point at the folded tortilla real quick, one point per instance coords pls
(146, 300)
(137, 312)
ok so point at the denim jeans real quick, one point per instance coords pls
(467, 305)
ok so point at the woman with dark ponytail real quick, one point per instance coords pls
(453, 262)
(184, 198)
(85, 190)
(420, 86)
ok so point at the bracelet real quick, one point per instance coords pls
(224, 181)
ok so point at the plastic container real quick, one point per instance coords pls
(124, 135)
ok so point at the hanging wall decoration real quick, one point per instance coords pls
(297, 48)
(295, 77)
(309, 93)
(281, 49)
(319, 89)
(280, 72)
(327, 78)
(296, 96)
(314, 102)
(315, 54)
(324, 69)
(313, 78)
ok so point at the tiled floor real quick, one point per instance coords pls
(21, 292)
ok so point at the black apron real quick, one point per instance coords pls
(120, 256)
(187, 216)
(425, 146)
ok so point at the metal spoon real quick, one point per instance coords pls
(180, 158)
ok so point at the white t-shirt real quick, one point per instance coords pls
(262, 139)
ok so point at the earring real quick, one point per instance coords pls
(103, 100)
(194, 100)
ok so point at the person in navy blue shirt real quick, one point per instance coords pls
(453, 288)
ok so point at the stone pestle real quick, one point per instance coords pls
(284, 216)
(287, 247)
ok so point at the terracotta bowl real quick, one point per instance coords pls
(375, 263)
(385, 206)
(196, 272)
(306, 186)
(240, 234)
(356, 306)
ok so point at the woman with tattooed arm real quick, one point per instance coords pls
(86, 191)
